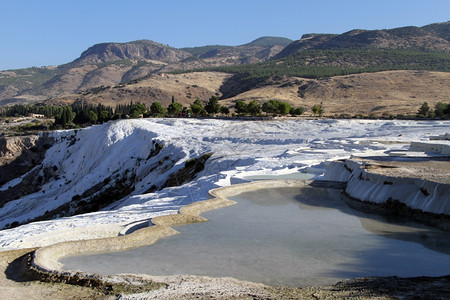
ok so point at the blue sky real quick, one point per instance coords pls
(52, 32)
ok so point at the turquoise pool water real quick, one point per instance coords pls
(286, 236)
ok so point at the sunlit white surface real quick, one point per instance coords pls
(239, 148)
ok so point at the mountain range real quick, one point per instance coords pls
(114, 63)
(107, 66)
(431, 37)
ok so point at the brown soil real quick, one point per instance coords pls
(390, 92)
(435, 169)
(185, 88)
(376, 94)
(14, 285)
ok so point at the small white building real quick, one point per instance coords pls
(39, 116)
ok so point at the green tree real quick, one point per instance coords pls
(68, 114)
(424, 110)
(81, 117)
(116, 116)
(157, 109)
(197, 108)
(103, 116)
(213, 106)
(224, 110)
(241, 107)
(297, 111)
(65, 117)
(137, 110)
(440, 109)
(270, 107)
(174, 108)
(276, 107)
(254, 108)
(92, 117)
(447, 111)
(63, 120)
(317, 109)
(284, 108)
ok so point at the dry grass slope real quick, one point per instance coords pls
(381, 93)
(389, 92)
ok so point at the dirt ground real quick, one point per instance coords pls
(390, 92)
(435, 169)
(15, 286)
(377, 94)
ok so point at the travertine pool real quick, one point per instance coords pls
(286, 236)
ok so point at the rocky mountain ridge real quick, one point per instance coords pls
(434, 37)
(136, 50)
(111, 64)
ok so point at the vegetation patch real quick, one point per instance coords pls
(191, 168)
(29, 78)
(327, 63)
(119, 62)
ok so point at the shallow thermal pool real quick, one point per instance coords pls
(296, 175)
(286, 236)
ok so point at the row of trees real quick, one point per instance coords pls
(440, 111)
(197, 109)
(271, 107)
(328, 63)
(77, 113)
(16, 110)
(82, 113)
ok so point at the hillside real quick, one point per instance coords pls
(262, 42)
(434, 37)
(108, 65)
(143, 50)
(185, 88)
(378, 94)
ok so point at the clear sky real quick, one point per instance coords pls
(51, 32)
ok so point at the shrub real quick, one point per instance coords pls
(297, 111)
(241, 107)
(213, 106)
(254, 108)
(317, 109)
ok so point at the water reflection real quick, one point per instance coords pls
(389, 226)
